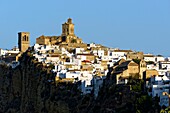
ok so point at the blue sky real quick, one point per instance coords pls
(141, 25)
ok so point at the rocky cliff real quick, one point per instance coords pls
(30, 88)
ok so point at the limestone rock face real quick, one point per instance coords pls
(26, 89)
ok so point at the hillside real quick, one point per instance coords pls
(30, 88)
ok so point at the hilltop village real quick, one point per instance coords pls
(73, 61)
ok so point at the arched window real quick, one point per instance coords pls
(24, 38)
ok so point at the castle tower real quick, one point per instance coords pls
(68, 28)
(23, 41)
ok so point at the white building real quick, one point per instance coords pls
(160, 87)
(97, 84)
(159, 58)
(164, 98)
(149, 57)
(116, 55)
(164, 65)
(79, 50)
(12, 51)
(152, 66)
(153, 58)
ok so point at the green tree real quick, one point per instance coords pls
(73, 41)
(149, 62)
(137, 61)
(136, 84)
(162, 111)
(144, 103)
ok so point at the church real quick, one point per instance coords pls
(67, 36)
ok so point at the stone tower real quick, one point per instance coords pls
(142, 68)
(68, 28)
(23, 41)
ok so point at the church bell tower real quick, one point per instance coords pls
(68, 28)
(23, 41)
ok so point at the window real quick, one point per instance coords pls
(25, 38)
